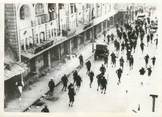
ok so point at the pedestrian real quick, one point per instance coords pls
(121, 60)
(142, 33)
(149, 71)
(142, 46)
(142, 71)
(134, 45)
(112, 37)
(148, 39)
(102, 69)
(103, 85)
(106, 60)
(156, 42)
(119, 34)
(45, 109)
(131, 62)
(99, 77)
(153, 60)
(122, 46)
(108, 39)
(64, 80)
(124, 35)
(81, 60)
(146, 59)
(148, 20)
(151, 36)
(119, 73)
(113, 59)
(128, 54)
(51, 86)
(117, 45)
(75, 73)
(78, 81)
(91, 75)
(104, 34)
(20, 85)
(71, 94)
(88, 65)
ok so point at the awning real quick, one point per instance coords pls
(15, 70)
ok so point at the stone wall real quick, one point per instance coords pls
(11, 37)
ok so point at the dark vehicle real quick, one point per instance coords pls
(101, 51)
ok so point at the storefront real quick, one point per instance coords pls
(74, 43)
(12, 74)
(54, 54)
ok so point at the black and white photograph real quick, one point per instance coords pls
(75, 57)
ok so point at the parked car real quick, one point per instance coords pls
(101, 50)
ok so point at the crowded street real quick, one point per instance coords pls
(131, 95)
(110, 63)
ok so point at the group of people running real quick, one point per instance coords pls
(125, 42)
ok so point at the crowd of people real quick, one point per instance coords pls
(125, 41)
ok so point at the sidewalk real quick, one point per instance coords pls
(41, 87)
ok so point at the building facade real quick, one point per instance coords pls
(41, 34)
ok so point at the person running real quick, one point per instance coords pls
(122, 46)
(75, 73)
(121, 60)
(51, 86)
(64, 80)
(149, 71)
(142, 46)
(78, 81)
(153, 60)
(156, 42)
(119, 73)
(142, 71)
(88, 65)
(102, 69)
(113, 59)
(106, 60)
(99, 77)
(148, 39)
(131, 62)
(112, 37)
(103, 85)
(146, 59)
(71, 94)
(142, 33)
(81, 60)
(108, 39)
(45, 109)
(91, 75)
(151, 36)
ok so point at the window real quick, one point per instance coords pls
(61, 6)
(71, 6)
(24, 12)
(39, 9)
(52, 11)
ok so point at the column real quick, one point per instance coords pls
(70, 51)
(49, 59)
(24, 44)
(93, 38)
(84, 34)
(59, 51)
(36, 65)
